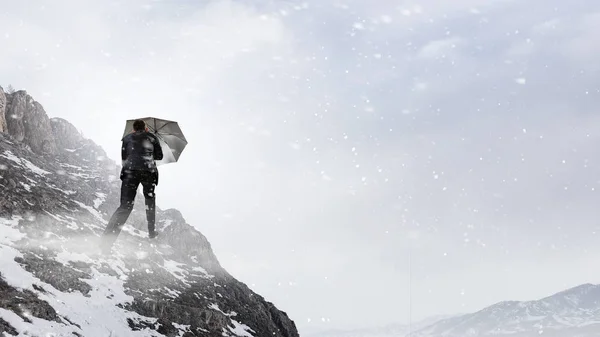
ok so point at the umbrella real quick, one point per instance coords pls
(169, 134)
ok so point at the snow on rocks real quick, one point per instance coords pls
(24, 163)
(49, 255)
(238, 330)
(10, 232)
(92, 211)
(174, 268)
(101, 198)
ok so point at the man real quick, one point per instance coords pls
(139, 152)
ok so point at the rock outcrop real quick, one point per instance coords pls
(27, 122)
(52, 212)
(66, 136)
(2, 111)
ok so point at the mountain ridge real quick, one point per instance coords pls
(559, 314)
(573, 312)
(59, 189)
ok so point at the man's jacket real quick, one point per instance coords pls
(140, 150)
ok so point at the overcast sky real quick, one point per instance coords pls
(340, 151)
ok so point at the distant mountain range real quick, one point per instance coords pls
(571, 313)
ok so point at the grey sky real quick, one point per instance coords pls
(330, 141)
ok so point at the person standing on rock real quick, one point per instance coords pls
(139, 152)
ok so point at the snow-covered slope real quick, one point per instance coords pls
(57, 191)
(571, 313)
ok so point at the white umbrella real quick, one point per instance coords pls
(169, 134)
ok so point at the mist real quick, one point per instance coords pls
(358, 165)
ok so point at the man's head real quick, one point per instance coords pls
(139, 125)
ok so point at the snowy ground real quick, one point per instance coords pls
(100, 313)
(97, 315)
(68, 236)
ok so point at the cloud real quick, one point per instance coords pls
(441, 48)
(329, 138)
(587, 40)
(574, 38)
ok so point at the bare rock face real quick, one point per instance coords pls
(27, 122)
(70, 141)
(3, 127)
(65, 134)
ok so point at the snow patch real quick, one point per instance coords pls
(70, 224)
(24, 163)
(65, 257)
(34, 168)
(239, 329)
(10, 156)
(133, 231)
(98, 315)
(182, 328)
(172, 293)
(83, 176)
(10, 232)
(101, 198)
(79, 168)
(61, 190)
(215, 306)
(166, 223)
(202, 270)
(31, 181)
(38, 327)
(92, 210)
(174, 269)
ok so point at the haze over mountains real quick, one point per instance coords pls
(574, 312)
(340, 135)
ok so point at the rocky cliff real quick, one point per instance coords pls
(57, 192)
(3, 127)
(27, 122)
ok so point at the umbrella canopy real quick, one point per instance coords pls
(172, 140)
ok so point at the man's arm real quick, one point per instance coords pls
(124, 151)
(158, 153)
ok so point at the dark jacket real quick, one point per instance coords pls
(140, 150)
